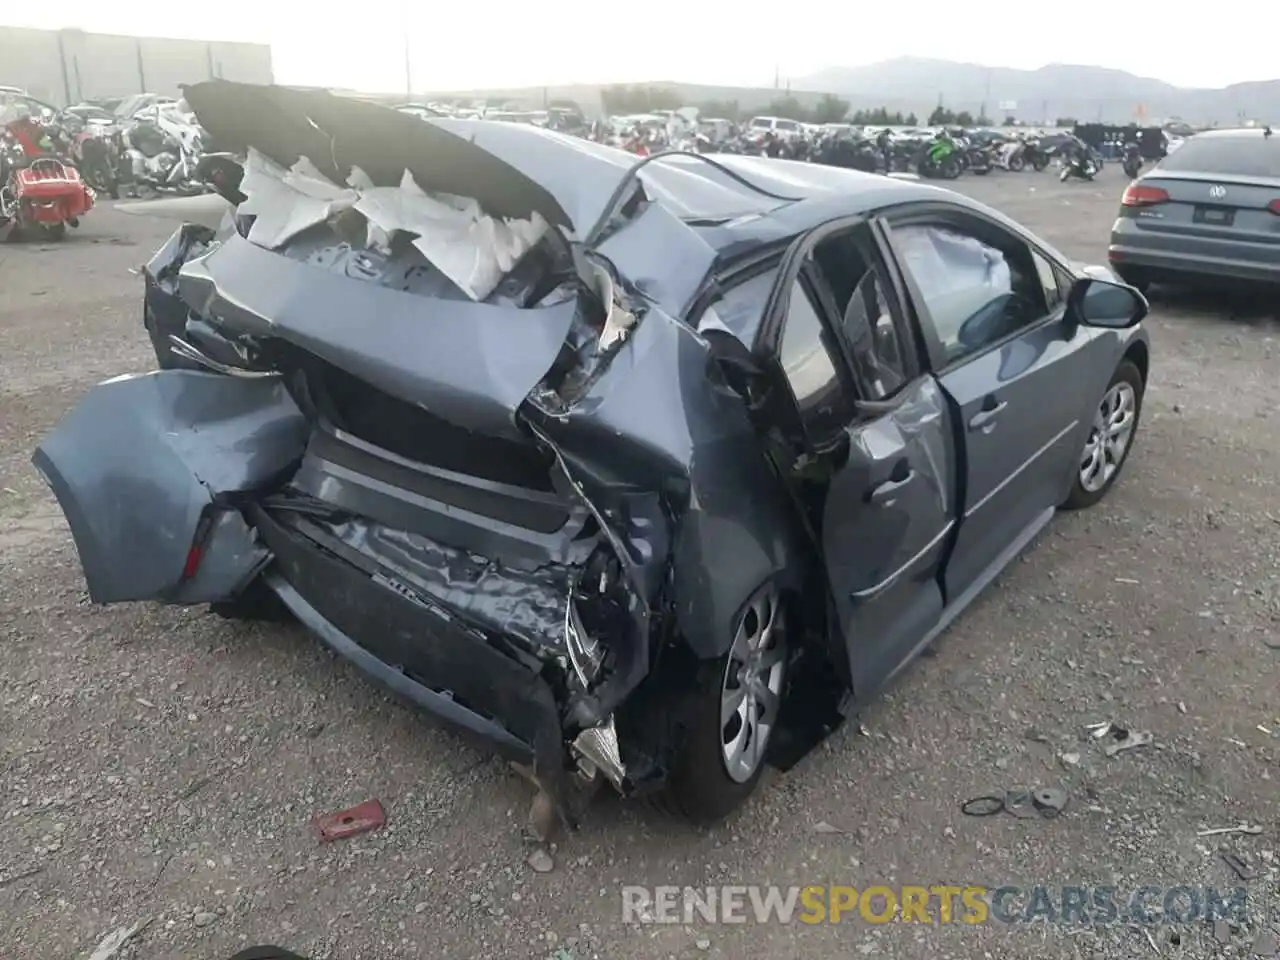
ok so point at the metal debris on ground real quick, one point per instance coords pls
(1242, 865)
(347, 823)
(1097, 731)
(110, 945)
(1238, 828)
(823, 827)
(1122, 739)
(1043, 802)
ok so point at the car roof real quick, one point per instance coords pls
(1234, 133)
(762, 197)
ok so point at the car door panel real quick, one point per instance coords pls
(1017, 399)
(888, 493)
(1019, 430)
(887, 515)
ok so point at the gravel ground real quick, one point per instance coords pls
(162, 765)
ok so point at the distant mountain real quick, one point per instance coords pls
(1057, 90)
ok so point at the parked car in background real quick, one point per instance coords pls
(1209, 211)
(779, 125)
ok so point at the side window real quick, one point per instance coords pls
(1054, 293)
(806, 361)
(977, 293)
(875, 343)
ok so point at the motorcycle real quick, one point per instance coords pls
(1021, 154)
(1081, 165)
(41, 192)
(938, 160)
(1132, 160)
(99, 156)
(979, 160)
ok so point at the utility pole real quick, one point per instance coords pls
(777, 75)
(408, 59)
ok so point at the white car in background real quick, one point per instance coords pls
(779, 125)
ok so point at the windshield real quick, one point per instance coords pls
(1242, 156)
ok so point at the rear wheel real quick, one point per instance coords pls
(1016, 164)
(726, 721)
(1134, 278)
(1115, 423)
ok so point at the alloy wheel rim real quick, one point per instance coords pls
(1109, 437)
(751, 690)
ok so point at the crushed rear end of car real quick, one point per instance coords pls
(382, 402)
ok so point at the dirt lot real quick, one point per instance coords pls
(160, 764)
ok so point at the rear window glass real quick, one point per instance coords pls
(761, 122)
(1237, 156)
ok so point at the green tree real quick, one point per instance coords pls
(830, 109)
(941, 117)
(622, 99)
(789, 108)
(911, 120)
(1010, 122)
(1065, 122)
(983, 120)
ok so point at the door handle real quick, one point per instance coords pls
(887, 492)
(986, 417)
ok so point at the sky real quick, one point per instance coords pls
(505, 44)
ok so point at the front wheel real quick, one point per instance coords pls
(725, 722)
(1039, 163)
(1017, 164)
(1115, 423)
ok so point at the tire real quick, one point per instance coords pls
(1017, 164)
(1039, 163)
(1127, 378)
(703, 787)
(1139, 281)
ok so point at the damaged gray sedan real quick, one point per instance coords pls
(643, 473)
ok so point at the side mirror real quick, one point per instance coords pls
(1104, 303)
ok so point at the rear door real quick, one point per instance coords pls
(1020, 378)
(874, 465)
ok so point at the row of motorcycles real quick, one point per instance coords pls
(53, 163)
(942, 155)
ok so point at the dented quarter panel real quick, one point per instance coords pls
(662, 257)
(657, 422)
(138, 462)
(469, 363)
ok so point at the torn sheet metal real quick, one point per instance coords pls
(472, 249)
(286, 202)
